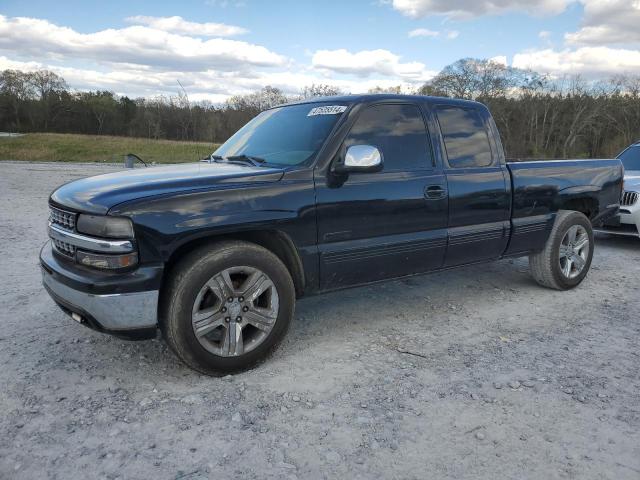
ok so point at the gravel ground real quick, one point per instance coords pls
(472, 373)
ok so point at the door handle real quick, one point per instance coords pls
(434, 192)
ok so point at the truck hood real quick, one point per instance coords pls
(100, 193)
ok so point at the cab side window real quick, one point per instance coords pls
(465, 137)
(398, 131)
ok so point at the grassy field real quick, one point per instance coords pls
(55, 147)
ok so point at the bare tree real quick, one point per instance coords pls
(472, 78)
(16, 90)
(583, 112)
(624, 109)
(320, 90)
(48, 87)
(153, 116)
(256, 102)
(397, 89)
(102, 105)
(182, 108)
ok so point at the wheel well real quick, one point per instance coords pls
(275, 241)
(585, 205)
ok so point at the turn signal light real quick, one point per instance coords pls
(106, 262)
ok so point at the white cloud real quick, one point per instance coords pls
(591, 62)
(209, 85)
(608, 22)
(475, 8)
(8, 64)
(599, 49)
(423, 32)
(135, 45)
(180, 25)
(147, 61)
(369, 62)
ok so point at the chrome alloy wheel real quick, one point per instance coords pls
(574, 251)
(235, 311)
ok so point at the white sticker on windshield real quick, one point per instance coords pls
(327, 110)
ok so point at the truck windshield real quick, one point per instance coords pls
(285, 135)
(630, 158)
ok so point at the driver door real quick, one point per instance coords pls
(388, 223)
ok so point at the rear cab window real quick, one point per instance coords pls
(465, 137)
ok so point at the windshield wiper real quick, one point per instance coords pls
(250, 159)
(213, 158)
(241, 159)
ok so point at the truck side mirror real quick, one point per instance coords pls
(360, 158)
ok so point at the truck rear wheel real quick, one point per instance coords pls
(567, 255)
(227, 307)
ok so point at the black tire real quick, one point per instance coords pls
(545, 265)
(189, 277)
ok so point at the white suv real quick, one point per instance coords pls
(630, 201)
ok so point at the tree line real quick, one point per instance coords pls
(538, 116)
(41, 101)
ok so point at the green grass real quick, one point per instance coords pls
(56, 147)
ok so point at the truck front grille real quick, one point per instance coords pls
(628, 199)
(64, 248)
(61, 218)
(66, 221)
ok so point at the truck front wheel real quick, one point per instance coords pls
(566, 258)
(227, 307)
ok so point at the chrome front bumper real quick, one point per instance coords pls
(119, 311)
(116, 313)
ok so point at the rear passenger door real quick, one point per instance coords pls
(389, 223)
(479, 191)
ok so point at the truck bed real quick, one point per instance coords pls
(538, 185)
(541, 188)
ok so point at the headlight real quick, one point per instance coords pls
(105, 226)
(106, 262)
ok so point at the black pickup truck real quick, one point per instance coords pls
(310, 197)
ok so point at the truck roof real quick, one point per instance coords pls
(374, 97)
